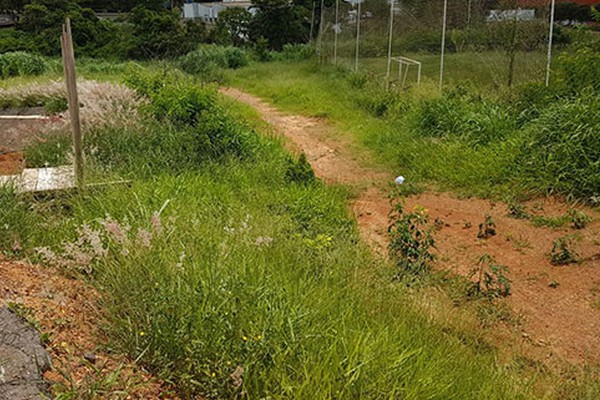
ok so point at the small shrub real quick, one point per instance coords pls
(487, 228)
(378, 102)
(261, 50)
(52, 151)
(560, 149)
(490, 279)
(296, 52)
(563, 252)
(579, 219)
(411, 241)
(299, 171)
(56, 105)
(209, 58)
(20, 63)
(517, 211)
(357, 80)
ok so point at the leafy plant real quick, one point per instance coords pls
(490, 279)
(578, 218)
(487, 228)
(411, 240)
(563, 252)
(517, 211)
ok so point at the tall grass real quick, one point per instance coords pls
(21, 63)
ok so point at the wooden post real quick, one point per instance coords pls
(68, 55)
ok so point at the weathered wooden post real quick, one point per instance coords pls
(68, 56)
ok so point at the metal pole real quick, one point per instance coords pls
(337, 28)
(550, 42)
(469, 15)
(312, 23)
(389, 62)
(443, 43)
(320, 39)
(357, 36)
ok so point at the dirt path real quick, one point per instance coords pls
(558, 308)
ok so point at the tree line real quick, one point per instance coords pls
(148, 29)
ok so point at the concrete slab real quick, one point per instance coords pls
(41, 179)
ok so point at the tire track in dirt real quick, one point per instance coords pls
(558, 308)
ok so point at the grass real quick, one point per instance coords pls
(223, 266)
(226, 269)
(486, 68)
(311, 90)
(529, 141)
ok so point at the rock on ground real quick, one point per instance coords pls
(23, 359)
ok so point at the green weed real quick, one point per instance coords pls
(487, 228)
(20, 63)
(563, 251)
(411, 241)
(578, 218)
(489, 279)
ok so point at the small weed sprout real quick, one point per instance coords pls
(487, 228)
(563, 252)
(579, 219)
(490, 279)
(517, 211)
(411, 240)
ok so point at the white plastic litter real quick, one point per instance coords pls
(399, 180)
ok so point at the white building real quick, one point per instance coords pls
(209, 12)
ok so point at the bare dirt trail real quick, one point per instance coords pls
(558, 307)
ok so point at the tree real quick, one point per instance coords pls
(161, 34)
(233, 27)
(43, 19)
(280, 22)
(13, 7)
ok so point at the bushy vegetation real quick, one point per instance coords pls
(207, 60)
(20, 63)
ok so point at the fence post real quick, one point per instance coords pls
(336, 31)
(68, 55)
(443, 43)
(549, 61)
(357, 36)
(321, 23)
(389, 61)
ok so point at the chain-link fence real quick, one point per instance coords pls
(488, 42)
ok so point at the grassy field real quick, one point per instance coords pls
(471, 140)
(489, 68)
(228, 269)
(228, 265)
